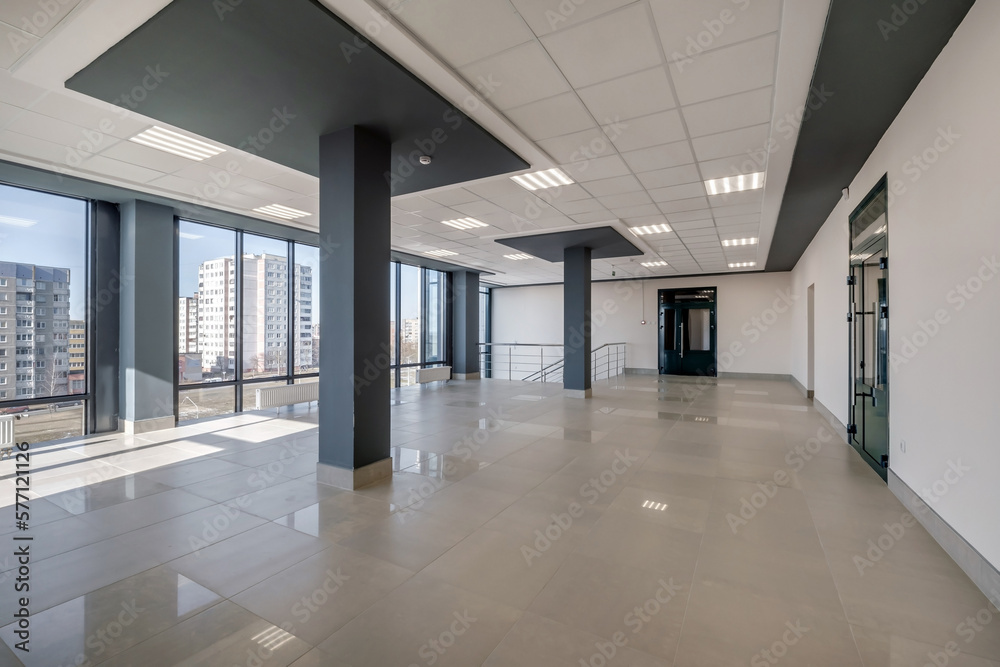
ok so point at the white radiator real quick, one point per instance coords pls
(433, 374)
(276, 397)
(6, 431)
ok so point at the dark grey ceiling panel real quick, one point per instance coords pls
(874, 53)
(272, 76)
(605, 242)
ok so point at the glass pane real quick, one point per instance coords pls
(205, 402)
(669, 329)
(306, 315)
(698, 337)
(43, 294)
(484, 310)
(409, 302)
(53, 421)
(265, 307)
(407, 377)
(250, 392)
(206, 323)
(393, 267)
(437, 320)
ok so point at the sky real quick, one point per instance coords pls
(47, 230)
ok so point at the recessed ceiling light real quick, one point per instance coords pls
(176, 143)
(732, 242)
(440, 253)
(464, 223)
(652, 264)
(723, 186)
(741, 265)
(520, 255)
(539, 180)
(279, 211)
(649, 229)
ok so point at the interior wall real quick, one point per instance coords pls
(944, 293)
(753, 315)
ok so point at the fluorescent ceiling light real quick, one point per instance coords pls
(520, 255)
(652, 264)
(741, 265)
(279, 211)
(551, 178)
(732, 242)
(464, 223)
(723, 186)
(17, 222)
(649, 229)
(440, 253)
(176, 143)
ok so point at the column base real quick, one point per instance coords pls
(345, 478)
(465, 376)
(148, 425)
(578, 393)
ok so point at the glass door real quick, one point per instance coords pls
(869, 349)
(687, 332)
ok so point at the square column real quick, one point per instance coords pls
(148, 340)
(576, 322)
(465, 325)
(354, 381)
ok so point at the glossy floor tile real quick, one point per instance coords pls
(662, 522)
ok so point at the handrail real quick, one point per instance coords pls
(532, 367)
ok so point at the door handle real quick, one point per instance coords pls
(682, 340)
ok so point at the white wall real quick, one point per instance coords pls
(753, 314)
(944, 239)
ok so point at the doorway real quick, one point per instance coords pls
(688, 331)
(868, 283)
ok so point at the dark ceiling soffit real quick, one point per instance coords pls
(430, 263)
(272, 76)
(20, 175)
(636, 278)
(873, 56)
(604, 242)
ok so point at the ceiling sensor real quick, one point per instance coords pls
(425, 159)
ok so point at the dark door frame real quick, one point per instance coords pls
(689, 298)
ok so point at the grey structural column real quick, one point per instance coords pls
(148, 331)
(354, 380)
(465, 325)
(576, 322)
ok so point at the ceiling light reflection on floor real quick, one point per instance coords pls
(653, 505)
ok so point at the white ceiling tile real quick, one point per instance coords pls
(14, 43)
(688, 29)
(7, 113)
(271, 193)
(731, 166)
(15, 91)
(517, 76)
(597, 216)
(613, 186)
(644, 210)
(451, 196)
(296, 182)
(692, 224)
(105, 166)
(128, 151)
(552, 117)
(35, 17)
(22, 145)
(579, 206)
(733, 69)
(659, 157)
(729, 113)
(742, 209)
(545, 16)
(735, 198)
(75, 110)
(675, 192)
(614, 45)
(626, 200)
(578, 146)
(744, 141)
(597, 168)
(175, 184)
(497, 187)
(563, 193)
(689, 216)
(57, 131)
(464, 31)
(694, 204)
(663, 178)
(630, 96)
(413, 203)
(653, 130)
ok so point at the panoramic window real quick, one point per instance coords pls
(265, 307)
(306, 332)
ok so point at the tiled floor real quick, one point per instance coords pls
(659, 523)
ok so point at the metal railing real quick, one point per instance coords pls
(543, 362)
